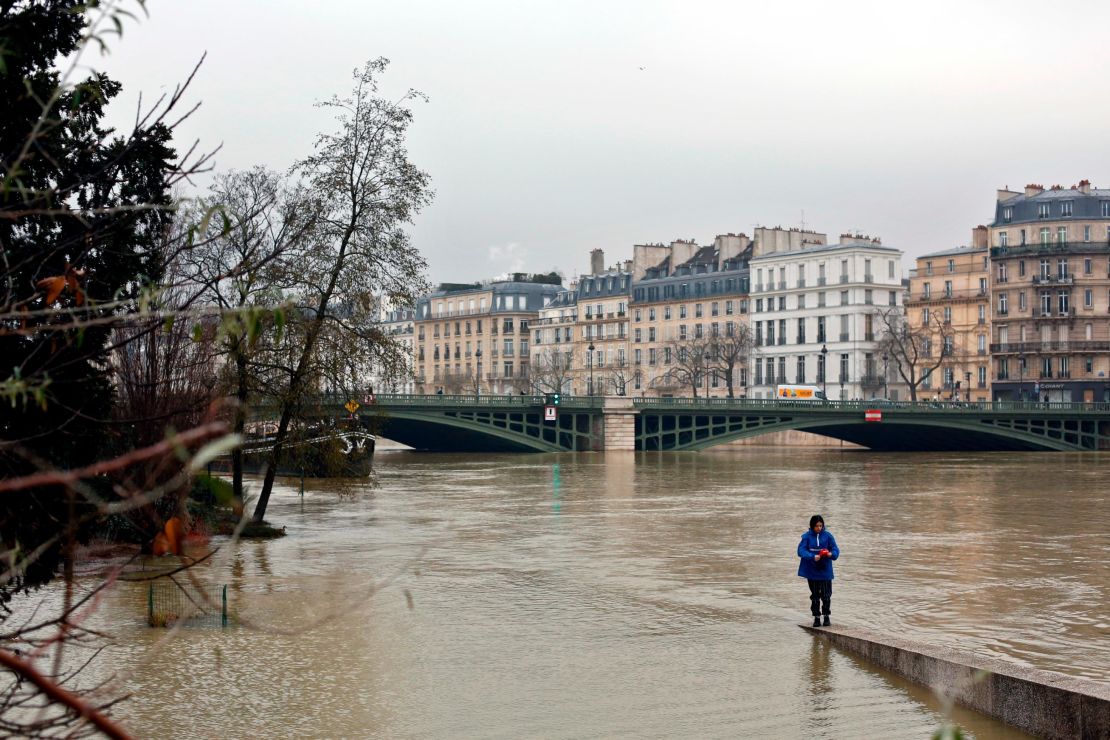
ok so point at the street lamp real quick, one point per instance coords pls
(590, 363)
(967, 386)
(1021, 375)
(478, 385)
(886, 374)
(707, 375)
(825, 371)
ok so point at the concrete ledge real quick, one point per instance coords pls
(1040, 702)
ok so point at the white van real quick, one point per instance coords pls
(799, 393)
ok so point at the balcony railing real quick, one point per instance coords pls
(1101, 247)
(1053, 279)
(843, 279)
(820, 282)
(1032, 348)
(844, 336)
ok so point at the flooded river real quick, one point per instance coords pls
(627, 595)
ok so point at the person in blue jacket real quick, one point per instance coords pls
(816, 551)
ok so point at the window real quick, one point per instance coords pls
(714, 310)
(1001, 272)
(801, 372)
(951, 265)
(1065, 208)
(892, 298)
(651, 333)
(982, 376)
(1063, 300)
(1106, 209)
(1003, 301)
(801, 331)
(1062, 267)
(651, 356)
(1089, 364)
(948, 314)
(697, 311)
(1088, 298)
(821, 329)
(698, 331)
(728, 308)
(682, 311)
(1062, 235)
(868, 298)
(1046, 236)
(1046, 302)
(1003, 239)
(1046, 269)
(1042, 210)
(821, 299)
(636, 335)
(983, 285)
(820, 368)
(782, 303)
(844, 368)
(947, 288)
(759, 305)
(890, 269)
(924, 317)
(1021, 301)
(1008, 214)
(982, 344)
(801, 300)
(770, 332)
(782, 331)
(682, 331)
(1087, 233)
(1021, 269)
(843, 298)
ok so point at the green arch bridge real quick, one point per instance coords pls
(517, 423)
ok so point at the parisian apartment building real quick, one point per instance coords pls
(1050, 293)
(948, 306)
(813, 309)
(474, 338)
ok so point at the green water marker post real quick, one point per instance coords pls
(150, 604)
(223, 606)
(302, 482)
(556, 484)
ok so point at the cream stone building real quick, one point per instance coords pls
(949, 302)
(601, 340)
(474, 338)
(1050, 294)
(684, 295)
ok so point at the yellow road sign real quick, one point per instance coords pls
(351, 406)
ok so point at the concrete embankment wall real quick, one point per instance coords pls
(1040, 702)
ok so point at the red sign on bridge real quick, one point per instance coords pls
(873, 415)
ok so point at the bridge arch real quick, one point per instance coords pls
(697, 431)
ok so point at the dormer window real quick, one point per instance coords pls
(1008, 214)
(1042, 210)
(1065, 208)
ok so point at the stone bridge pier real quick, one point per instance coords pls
(618, 418)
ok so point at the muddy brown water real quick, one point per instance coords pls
(627, 595)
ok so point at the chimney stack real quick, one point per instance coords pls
(597, 261)
(979, 237)
(1085, 187)
(1032, 189)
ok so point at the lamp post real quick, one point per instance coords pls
(825, 371)
(886, 374)
(1021, 375)
(478, 385)
(590, 364)
(967, 386)
(707, 375)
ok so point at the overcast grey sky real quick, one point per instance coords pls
(556, 127)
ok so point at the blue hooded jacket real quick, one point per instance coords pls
(811, 544)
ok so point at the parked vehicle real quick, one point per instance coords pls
(800, 393)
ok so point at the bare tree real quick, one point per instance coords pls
(621, 375)
(731, 351)
(916, 351)
(365, 192)
(691, 361)
(551, 370)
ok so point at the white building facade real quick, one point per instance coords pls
(813, 311)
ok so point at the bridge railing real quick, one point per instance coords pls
(768, 404)
(461, 399)
(680, 403)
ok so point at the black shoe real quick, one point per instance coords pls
(817, 621)
(827, 622)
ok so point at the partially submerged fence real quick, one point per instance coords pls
(170, 601)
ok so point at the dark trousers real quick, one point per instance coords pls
(819, 591)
